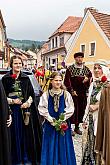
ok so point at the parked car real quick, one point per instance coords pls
(34, 82)
(3, 72)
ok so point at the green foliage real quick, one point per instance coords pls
(26, 44)
(59, 122)
(17, 89)
(33, 47)
(61, 117)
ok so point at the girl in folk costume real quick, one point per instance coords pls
(56, 105)
(101, 76)
(25, 127)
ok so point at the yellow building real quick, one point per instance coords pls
(92, 38)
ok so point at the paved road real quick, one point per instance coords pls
(77, 140)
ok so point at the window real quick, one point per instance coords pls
(53, 61)
(46, 58)
(49, 46)
(56, 43)
(92, 48)
(82, 48)
(61, 41)
(49, 61)
(52, 43)
(47, 66)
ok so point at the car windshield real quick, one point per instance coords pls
(35, 84)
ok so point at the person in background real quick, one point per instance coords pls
(39, 74)
(5, 122)
(62, 70)
(56, 106)
(100, 80)
(25, 127)
(47, 76)
(77, 81)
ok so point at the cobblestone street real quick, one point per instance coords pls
(78, 147)
(77, 140)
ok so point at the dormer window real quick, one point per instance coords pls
(56, 42)
(52, 43)
(61, 41)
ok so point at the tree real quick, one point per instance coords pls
(39, 47)
(33, 47)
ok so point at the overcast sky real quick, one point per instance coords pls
(38, 19)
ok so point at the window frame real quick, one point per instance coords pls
(92, 55)
(81, 47)
(62, 44)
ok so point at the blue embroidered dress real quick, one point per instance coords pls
(56, 148)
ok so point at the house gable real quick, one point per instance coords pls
(88, 31)
(56, 45)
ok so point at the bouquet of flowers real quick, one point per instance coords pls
(60, 124)
(16, 87)
(100, 84)
(18, 93)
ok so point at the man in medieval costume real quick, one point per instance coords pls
(77, 80)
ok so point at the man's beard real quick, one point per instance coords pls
(79, 63)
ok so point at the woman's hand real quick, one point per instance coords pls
(84, 125)
(93, 107)
(17, 101)
(25, 105)
(9, 121)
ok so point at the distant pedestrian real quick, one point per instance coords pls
(77, 80)
(48, 72)
(56, 106)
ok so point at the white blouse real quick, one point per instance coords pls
(43, 106)
(95, 113)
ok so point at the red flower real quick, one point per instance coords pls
(42, 74)
(104, 79)
(14, 76)
(64, 126)
(38, 73)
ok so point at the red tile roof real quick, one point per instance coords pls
(70, 25)
(1, 18)
(103, 20)
(45, 47)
